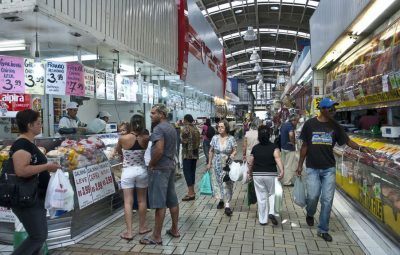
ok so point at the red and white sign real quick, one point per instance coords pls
(10, 104)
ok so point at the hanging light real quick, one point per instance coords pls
(38, 69)
(254, 56)
(259, 77)
(250, 34)
(257, 68)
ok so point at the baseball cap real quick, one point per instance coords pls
(327, 103)
(103, 114)
(72, 105)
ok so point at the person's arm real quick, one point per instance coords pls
(234, 148)
(210, 157)
(22, 167)
(358, 147)
(303, 155)
(277, 157)
(244, 148)
(250, 164)
(185, 135)
(157, 153)
(292, 138)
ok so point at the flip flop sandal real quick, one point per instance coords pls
(148, 241)
(188, 198)
(145, 232)
(169, 232)
(126, 238)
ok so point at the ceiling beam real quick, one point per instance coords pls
(263, 23)
(283, 43)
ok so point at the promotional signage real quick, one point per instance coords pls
(12, 74)
(56, 73)
(110, 86)
(89, 82)
(75, 80)
(100, 84)
(34, 84)
(93, 183)
(10, 104)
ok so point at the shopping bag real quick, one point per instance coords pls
(278, 196)
(299, 193)
(245, 169)
(59, 194)
(236, 173)
(205, 185)
(251, 194)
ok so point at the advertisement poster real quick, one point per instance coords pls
(11, 75)
(56, 73)
(34, 84)
(75, 80)
(6, 215)
(100, 84)
(110, 86)
(10, 104)
(89, 82)
(83, 190)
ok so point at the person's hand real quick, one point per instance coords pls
(299, 170)
(244, 158)
(208, 166)
(52, 166)
(281, 174)
(81, 130)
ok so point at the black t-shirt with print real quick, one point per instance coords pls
(38, 158)
(321, 137)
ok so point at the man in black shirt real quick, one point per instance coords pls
(319, 135)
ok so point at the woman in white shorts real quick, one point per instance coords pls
(132, 147)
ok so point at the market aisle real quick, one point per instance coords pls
(205, 230)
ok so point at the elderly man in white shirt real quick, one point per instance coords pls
(70, 124)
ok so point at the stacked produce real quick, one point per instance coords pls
(77, 154)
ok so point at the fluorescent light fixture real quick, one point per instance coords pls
(305, 75)
(340, 47)
(254, 56)
(73, 58)
(370, 15)
(128, 68)
(274, 8)
(238, 11)
(273, 35)
(12, 48)
(250, 34)
(12, 45)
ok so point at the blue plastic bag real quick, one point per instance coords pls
(299, 192)
(205, 185)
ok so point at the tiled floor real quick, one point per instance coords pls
(205, 230)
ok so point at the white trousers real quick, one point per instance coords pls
(265, 191)
(289, 160)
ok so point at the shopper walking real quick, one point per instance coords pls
(190, 137)
(319, 135)
(161, 172)
(288, 149)
(263, 162)
(250, 139)
(30, 162)
(132, 147)
(222, 150)
(207, 132)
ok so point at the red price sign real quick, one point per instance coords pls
(75, 80)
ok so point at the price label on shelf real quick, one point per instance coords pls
(75, 80)
(11, 75)
(34, 82)
(56, 73)
(385, 83)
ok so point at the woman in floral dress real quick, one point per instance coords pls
(222, 147)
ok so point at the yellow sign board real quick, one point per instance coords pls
(382, 97)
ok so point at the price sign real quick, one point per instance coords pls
(56, 73)
(34, 81)
(145, 93)
(101, 181)
(89, 82)
(110, 86)
(11, 74)
(75, 80)
(124, 90)
(100, 84)
(83, 190)
(134, 90)
(156, 91)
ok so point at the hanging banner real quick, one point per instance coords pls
(34, 82)
(110, 86)
(100, 84)
(11, 75)
(124, 89)
(56, 73)
(75, 80)
(89, 81)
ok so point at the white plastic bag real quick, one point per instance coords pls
(236, 173)
(147, 154)
(59, 195)
(245, 168)
(299, 192)
(278, 196)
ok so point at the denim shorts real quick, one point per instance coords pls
(161, 190)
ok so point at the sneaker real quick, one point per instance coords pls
(273, 219)
(327, 237)
(220, 205)
(310, 221)
(228, 211)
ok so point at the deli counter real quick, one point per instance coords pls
(372, 181)
(94, 173)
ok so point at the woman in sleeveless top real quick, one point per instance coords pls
(132, 147)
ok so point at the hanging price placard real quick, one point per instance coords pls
(110, 86)
(145, 99)
(11, 74)
(134, 91)
(124, 89)
(34, 82)
(56, 73)
(100, 84)
(89, 82)
(75, 80)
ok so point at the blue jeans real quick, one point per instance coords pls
(320, 183)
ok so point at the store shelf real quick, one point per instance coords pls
(369, 106)
(378, 138)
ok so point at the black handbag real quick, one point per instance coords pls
(17, 191)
